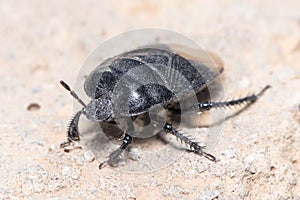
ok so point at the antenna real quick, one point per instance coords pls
(73, 93)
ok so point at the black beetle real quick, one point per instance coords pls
(129, 85)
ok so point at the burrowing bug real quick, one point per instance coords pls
(132, 85)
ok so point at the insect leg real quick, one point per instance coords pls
(205, 106)
(195, 147)
(115, 155)
(72, 132)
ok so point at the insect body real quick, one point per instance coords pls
(137, 85)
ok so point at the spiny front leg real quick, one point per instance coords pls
(72, 132)
(195, 147)
(115, 155)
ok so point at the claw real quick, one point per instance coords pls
(65, 144)
(103, 164)
(209, 156)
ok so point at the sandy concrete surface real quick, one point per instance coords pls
(45, 41)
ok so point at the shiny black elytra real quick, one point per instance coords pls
(142, 94)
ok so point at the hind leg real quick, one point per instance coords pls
(210, 105)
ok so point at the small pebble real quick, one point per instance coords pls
(75, 176)
(134, 154)
(209, 195)
(66, 171)
(88, 156)
(249, 159)
(38, 187)
(80, 160)
(52, 147)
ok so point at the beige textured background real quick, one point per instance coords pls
(45, 41)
